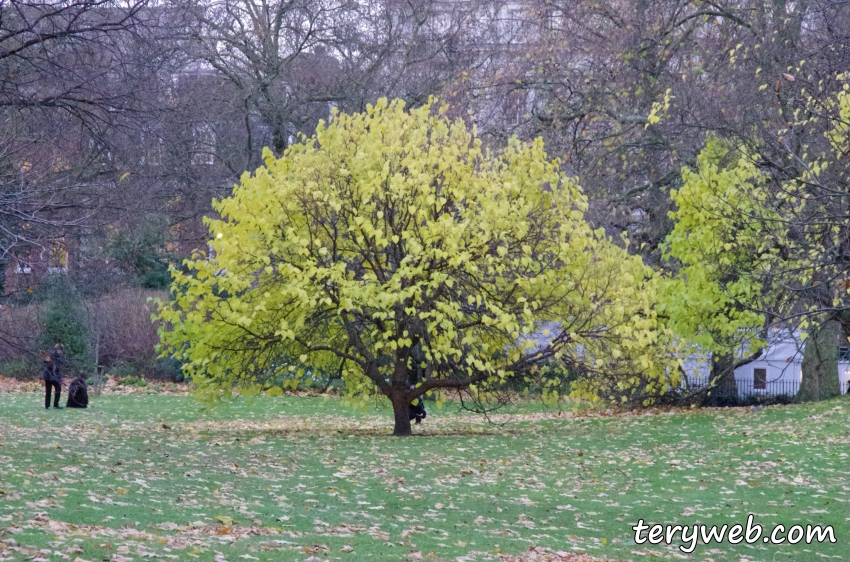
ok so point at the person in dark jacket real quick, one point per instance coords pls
(417, 409)
(52, 375)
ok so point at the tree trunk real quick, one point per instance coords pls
(401, 411)
(820, 364)
(723, 388)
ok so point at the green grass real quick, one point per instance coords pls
(148, 474)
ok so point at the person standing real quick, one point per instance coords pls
(52, 375)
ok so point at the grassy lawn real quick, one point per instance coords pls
(155, 477)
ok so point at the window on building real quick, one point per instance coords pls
(760, 379)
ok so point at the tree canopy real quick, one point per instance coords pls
(719, 243)
(760, 235)
(392, 245)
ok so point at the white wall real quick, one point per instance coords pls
(844, 375)
(783, 362)
(776, 371)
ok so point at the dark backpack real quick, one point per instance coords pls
(417, 411)
(78, 394)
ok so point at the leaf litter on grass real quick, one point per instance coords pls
(152, 477)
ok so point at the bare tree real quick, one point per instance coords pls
(60, 84)
(586, 75)
(286, 63)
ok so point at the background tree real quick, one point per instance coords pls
(761, 239)
(725, 255)
(286, 64)
(63, 85)
(393, 244)
(586, 75)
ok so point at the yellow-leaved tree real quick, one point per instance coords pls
(393, 247)
(725, 251)
(761, 243)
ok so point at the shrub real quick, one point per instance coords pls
(64, 320)
(21, 330)
(542, 379)
(167, 369)
(122, 320)
(142, 252)
(22, 368)
(133, 381)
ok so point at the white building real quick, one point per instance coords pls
(777, 371)
(844, 374)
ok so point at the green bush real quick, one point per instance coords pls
(132, 381)
(168, 368)
(552, 375)
(23, 368)
(64, 321)
(158, 369)
(142, 252)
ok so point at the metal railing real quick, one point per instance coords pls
(746, 392)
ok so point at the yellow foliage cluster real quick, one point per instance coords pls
(392, 242)
(755, 246)
(724, 251)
